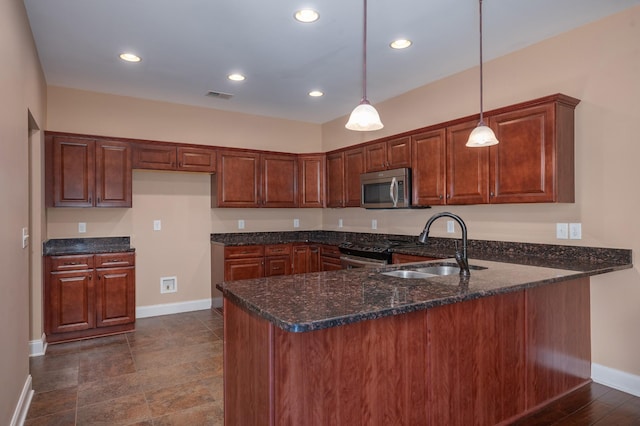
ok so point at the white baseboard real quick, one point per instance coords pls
(172, 308)
(621, 380)
(20, 413)
(38, 347)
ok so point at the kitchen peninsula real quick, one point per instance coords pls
(360, 347)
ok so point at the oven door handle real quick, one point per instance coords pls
(393, 191)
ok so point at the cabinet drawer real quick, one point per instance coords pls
(72, 262)
(237, 252)
(329, 251)
(112, 260)
(277, 249)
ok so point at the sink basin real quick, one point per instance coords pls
(446, 269)
(404, 273)
(430, 271)
(440, 270)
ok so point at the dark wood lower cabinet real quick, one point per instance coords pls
(484, 361)
(89, 295)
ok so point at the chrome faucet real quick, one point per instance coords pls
(461, 257)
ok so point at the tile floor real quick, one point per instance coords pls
(167, 372)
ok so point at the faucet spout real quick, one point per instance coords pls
(461, 257)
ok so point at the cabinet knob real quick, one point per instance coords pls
(440, 196)
(491, 194)
(448, 196)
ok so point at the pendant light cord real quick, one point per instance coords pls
(481, 88)
(364, 58)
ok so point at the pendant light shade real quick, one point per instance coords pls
(364, 117)
(482, 135)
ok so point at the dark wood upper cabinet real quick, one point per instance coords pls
(392, 154)
(353, 168)
(251, 179)
(429, 168)
(534, 161)
(467, 168)
(84, 172)
(174, 157)
(113, 174)
(279, 180)
(311, 180)
(335, 179)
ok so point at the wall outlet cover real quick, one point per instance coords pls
(240, 224)
(168, 285)
(82, 227)
(562, 231)
(575, 231)
(157, 225)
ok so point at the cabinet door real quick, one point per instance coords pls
(522, 164)
(237, 181)
(71, 301)
(428, 168)
(399, 153)
(279, 180)
(353, 168)
(300, 259)
(73, 167)
(375, 156)
(467, 168)
(115, 296)
(154, 157)
(242, 269)
(277, 265)
(314, 259)
(192, 159)
(311, 172)
(335, 179)
(113, 174)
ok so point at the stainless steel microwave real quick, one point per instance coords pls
(388, 189)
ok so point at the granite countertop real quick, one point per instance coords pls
(69, 246)
(314, 301)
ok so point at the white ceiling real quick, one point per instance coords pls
(188, 47)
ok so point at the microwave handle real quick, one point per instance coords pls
(393, 191)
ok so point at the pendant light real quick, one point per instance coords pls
(482, 135)
(364, 117)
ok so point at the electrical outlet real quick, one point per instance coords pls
(451, 226)
(339, 223)
(575, 231)
(157, 225)
(562, 231)
(82, 227)
(168, 285)
(374, 224)
(240, 224)
(296, 223)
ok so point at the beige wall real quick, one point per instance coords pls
(180, 200)
(23, 91)
(599, 64)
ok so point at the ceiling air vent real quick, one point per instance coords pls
(219, 95)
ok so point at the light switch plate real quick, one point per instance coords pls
(296, 223)
(374, 224)
(562, 231)
(451, 226)
(240, 223)
(82, 227)
(575, 231)
(157, 225)
(340, 223)
(25, 237)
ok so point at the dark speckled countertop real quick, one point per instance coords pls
(68, 246)
(307, 302)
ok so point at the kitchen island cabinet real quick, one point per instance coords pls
(358, 347)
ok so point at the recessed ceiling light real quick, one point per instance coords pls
(236, 77)
(401, 43)
(130, 57)
(306, 15)
(315, 93)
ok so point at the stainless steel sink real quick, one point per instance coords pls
(430, 271)
(404, 273)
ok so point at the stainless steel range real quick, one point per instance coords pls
(366, 254)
